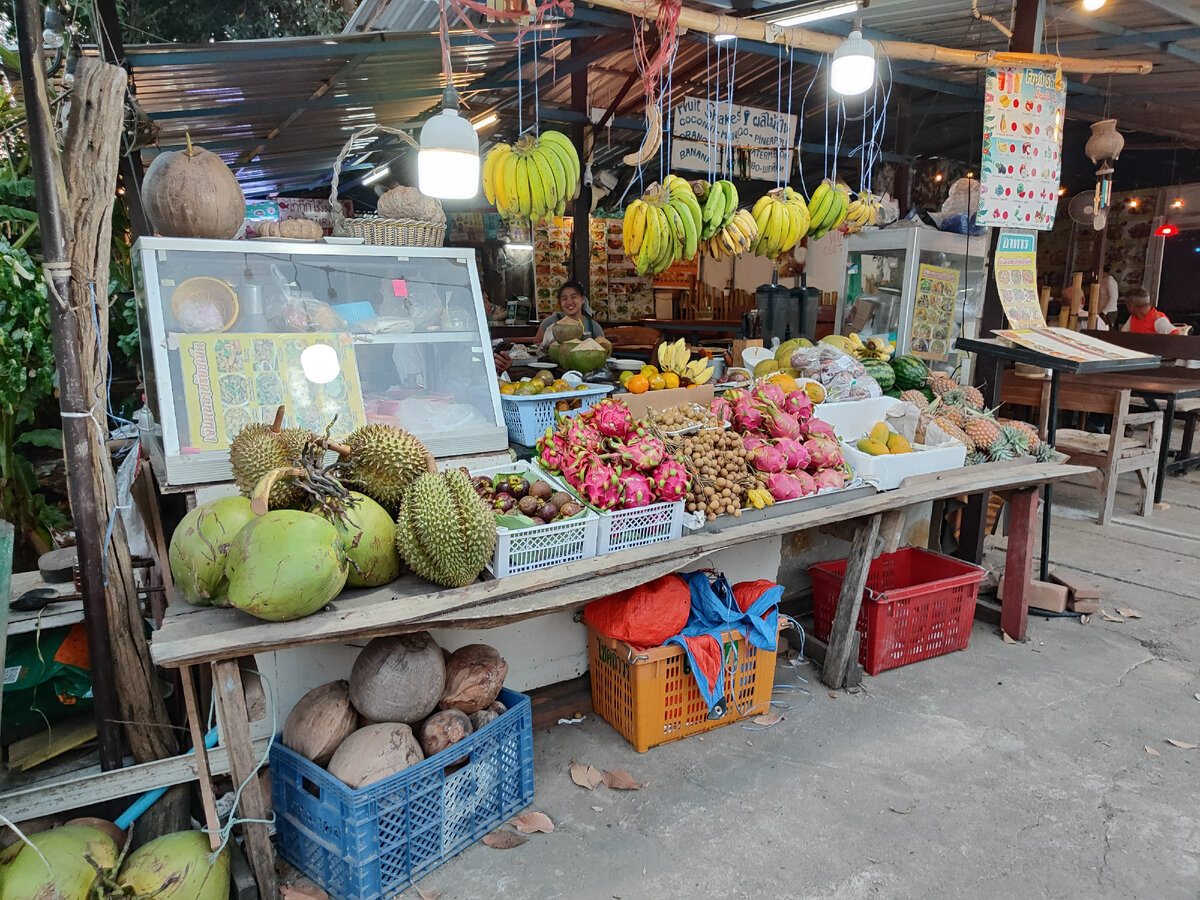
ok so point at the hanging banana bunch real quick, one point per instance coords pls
(532, 179)
(663, 226)
(782, 218)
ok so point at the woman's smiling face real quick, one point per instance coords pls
(570, 301)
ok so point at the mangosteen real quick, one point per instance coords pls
(541, 490)
(560, 498)
(548, 512)
(483, 485)
(569, 509)
(503, 503)
(529, 506)
(517, 486)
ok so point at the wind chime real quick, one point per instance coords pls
(1103, 149)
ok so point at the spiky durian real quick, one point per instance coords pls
(444, 532)
(383, 462)
(256, 451)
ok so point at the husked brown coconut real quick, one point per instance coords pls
(398, 679)
(320, 721)
(443, 728)
(474, 675)
(491, 714)
(374, 753)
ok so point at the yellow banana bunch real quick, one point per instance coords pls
(673, 357)
(663, 226)
(782, 218)
(760, 497)
(828, 205)
(735, 238)
(698, 371)
(863, 211)
(532, 179)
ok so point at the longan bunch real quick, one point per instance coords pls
(685, 415)
(721, 474)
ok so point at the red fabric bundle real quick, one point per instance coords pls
(746, 593)
(644, 616)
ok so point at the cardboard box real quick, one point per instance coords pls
(739, 345)
(1047, 596)
(640, 404)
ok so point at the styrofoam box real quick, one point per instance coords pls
(541, 546)
(852, 419)
(886, 472)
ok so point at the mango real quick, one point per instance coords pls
(880, 432)
(766, 367)
(872, 447)
(897, 443)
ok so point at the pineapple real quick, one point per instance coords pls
(954, 397)
(1043, 453)
(916, 398)
(953, 431)
(1016, 439)
(982, 432)
(974, 397)
(955, 415)
(939, 384)
(1028, 429)
(976, 457)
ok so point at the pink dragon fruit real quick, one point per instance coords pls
(767, 390)
(733, 396)
(779, 423)
(636, 490)
(600, 485)
(612, 418)
(574, 466)
(670, 480)
(721, 408)
(747, 416)
(825, 453)
(753, 441)
(582, 436)
(830, 478)
(767, 458)
(795, 454)
(799, 404)
(791, 485)
(819, 428)
(645, 453)
(552, 451)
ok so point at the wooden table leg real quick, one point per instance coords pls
(196, 727)
(1018, 564)
(843, 631)
(235, 732)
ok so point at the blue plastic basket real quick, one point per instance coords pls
(528, 417)
(372, 843)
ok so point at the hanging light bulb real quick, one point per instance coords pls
(52, 29)
(1092, 5)
(448, 164)
(853, 69)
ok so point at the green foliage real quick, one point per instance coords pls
(148, 21)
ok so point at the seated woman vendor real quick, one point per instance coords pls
(1145, 319)
(572, 306)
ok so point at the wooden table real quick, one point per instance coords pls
(697, 327)
(194, 636)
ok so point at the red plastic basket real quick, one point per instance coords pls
(917, 604)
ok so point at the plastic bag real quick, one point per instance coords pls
(958, 212)
(644, 616)
(842, 376)
(304, 314)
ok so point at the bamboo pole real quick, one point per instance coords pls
(799, 38)
(1093, 306)
(1044, 300)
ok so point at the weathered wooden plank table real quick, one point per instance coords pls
(221, 638)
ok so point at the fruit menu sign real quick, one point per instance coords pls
(933, 312)
(1022, 148)
(231, 380)
(1016, 279)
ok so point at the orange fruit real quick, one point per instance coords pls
(638, 384)
(671, 380)
(508, 387)
(649, 370)
(657, 382)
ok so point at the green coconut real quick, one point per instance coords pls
(285, 565)
(64, 869)
(200, 545)
(368, 533)
(567, 330)
(584, 356)
(177, 867)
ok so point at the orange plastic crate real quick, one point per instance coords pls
(651, 698)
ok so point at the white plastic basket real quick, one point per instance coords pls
(621, 529)
(528, 417)
(541, 546)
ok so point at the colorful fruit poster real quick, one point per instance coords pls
(933, 312)
(1022, 148)
(232, 380)
(1016, 279)
(618, 293)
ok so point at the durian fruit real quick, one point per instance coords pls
(256, 451)
(383, 462)
(444, 532)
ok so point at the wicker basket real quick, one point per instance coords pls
(376, 229)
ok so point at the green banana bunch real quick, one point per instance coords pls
(829, 205)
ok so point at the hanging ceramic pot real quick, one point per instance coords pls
(1106, 142)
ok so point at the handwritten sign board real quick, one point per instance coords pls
(760, 138)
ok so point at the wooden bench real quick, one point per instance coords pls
(1132, 444)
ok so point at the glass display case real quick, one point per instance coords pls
(916, 286)
(339, 335)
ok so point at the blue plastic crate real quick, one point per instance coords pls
(528, 417)
(372, 843)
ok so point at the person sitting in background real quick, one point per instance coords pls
(572, 304)
(1145, 319)
(1109, 300)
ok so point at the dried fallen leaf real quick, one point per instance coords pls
(586, 776)
(1181, 744)
(503, 840)
(832, 695)
(598, 809)
(1107, 618)
(620, 780)
(1085, 618)
(1152, 751)
(532, 822)
(302, 892)
(768, 719)
(428, 895)
(1128, 613)
(1006, 638)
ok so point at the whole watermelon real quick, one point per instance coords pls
(910, 372)
(881, 372)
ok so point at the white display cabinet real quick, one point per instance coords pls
(919, 287)
(340, 335)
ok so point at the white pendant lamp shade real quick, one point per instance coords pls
(853, 69)
(448, 164)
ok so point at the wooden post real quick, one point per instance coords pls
(581, 243)
(1018, 562)
(843, 631)
(235, 732)
(1093, 305)
(207, 800)
(1044, 300)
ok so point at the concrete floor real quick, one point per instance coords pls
(1001, 771)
